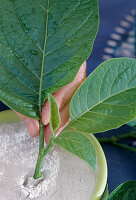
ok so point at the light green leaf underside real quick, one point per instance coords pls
(78, 144)
(107, 99)
(42, 45)
(54, 113)
(125, 191)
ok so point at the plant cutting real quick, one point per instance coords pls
(42, 45)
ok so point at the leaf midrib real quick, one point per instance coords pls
(98, 104)
(43, 62)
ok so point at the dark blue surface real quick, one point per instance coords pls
(3, 106)
(121, 163)
(111, 12)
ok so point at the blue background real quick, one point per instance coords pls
(121, 163)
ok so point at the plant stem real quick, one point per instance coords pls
(42, 152)
(48, 148)
(124, 146)
(41, 137)
(38, 173)
(114, 140)
(131, 135)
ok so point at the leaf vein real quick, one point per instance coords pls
(68, 17)
(112, 116)
(17, 56)
(65, 61)
(20, 80)
(116, 78)
(20, 97)
(71, 37)
(41, 5)
(100, 102)
(24, 28)
(133, 77)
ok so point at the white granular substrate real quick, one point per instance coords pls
(66, 177)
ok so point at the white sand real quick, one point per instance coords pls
(66, 177)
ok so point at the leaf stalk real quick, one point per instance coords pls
(114, 140)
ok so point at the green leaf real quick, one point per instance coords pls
(78, 144)
(42, 45)
(107, 99)
(132, 123)
(125, 191)
(54, 113)
(105, 194)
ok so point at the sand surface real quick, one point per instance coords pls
(66, 177)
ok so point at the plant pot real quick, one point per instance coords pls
(20, 151)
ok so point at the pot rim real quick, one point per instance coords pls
(101, 176)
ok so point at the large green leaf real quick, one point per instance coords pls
(125, 191)
(42, 45)
(107, 99)
(79, 144)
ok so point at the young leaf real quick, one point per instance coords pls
(78, 144)
(125, 191)
(42, 46)
(107, 99)
(105, 194)
(54, 113)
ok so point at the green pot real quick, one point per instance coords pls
(101, 176)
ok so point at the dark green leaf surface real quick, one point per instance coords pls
(105, 194)
(107, 99)
(42, 45)
(125, 191)
(78, 144)
(54, 113)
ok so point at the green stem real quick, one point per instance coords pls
(42, 152)
(130, 135)
(38, 173)
(41, 137)
(124, 146)
(48, 148)
(114, 140)
(104, 140)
